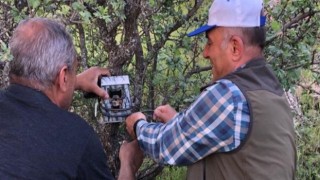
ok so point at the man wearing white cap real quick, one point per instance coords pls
(241, 126)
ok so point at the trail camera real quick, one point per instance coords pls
(118, 106)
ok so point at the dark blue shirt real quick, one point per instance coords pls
(39, 140)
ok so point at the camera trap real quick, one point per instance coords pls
(118, 106)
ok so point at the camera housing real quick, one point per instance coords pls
(118, 106)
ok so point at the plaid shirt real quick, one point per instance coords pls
(217, 121)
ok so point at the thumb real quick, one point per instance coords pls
(155, 114)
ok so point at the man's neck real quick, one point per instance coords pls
(26, 82)
(251, 52)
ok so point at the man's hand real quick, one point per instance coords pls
(164, 113)
(130, 120)
(87, 81)
(131, 158)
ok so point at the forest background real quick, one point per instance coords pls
(146, 39)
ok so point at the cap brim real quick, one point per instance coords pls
(263, 20)
(200, 30)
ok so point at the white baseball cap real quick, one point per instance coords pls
(233, 13)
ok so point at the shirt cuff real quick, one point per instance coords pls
(137, 126)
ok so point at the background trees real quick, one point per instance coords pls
(147, 40)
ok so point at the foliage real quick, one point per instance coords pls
(147, 40)
(172, 173)
(308, 134)
(293, 38)
(308, 131)
(4, 52)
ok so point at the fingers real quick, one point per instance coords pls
(131, 158)
(159, 113)
(102, 71)
(130, 132)
(156, 113)
(130, 121)
(154, 116)
(100, 92)
(87, 81)
(164, 113)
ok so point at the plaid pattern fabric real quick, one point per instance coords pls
(216, 122)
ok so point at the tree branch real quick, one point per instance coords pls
(291, 23)
(310, 88)
(82, 40)
(160, 43)
(198, 70)
(152, 171)
(5, 5)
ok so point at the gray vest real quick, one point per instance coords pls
(269, 149)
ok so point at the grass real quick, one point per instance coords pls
(173, 173)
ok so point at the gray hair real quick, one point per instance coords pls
(252, 36)
(40, 48)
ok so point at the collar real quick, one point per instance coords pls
(27, 95)
(258, 61)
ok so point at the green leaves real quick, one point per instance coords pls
(86, 16)
(102, 13)
(170, 60)
(34, 3)
(77, 6)
(276, 26)
(4, 52)
(65, 9)
(83, 12)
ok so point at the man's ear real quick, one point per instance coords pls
(62, 79)
(237, 48)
